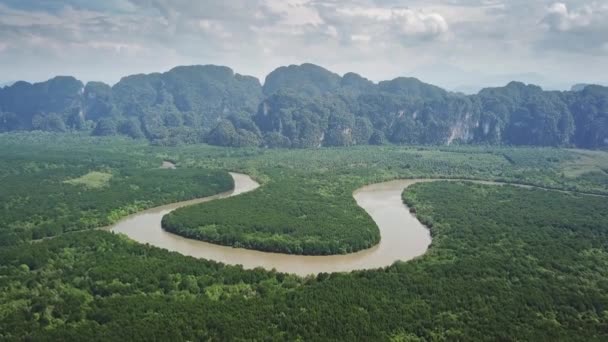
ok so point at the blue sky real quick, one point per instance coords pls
(458, 44)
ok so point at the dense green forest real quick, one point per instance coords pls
(315, 215)
(506, 264)
(46, 192)
(305, 106)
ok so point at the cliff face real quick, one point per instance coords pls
(49, 105)
(306, 106)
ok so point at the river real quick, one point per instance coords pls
(403, 236)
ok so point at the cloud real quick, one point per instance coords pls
(581, 30)
(378, 38)
(560, 18)
(56, 6)
(380, 23)
(411, 23)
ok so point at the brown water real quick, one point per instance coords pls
(403, 237)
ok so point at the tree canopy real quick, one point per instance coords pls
(303, 106)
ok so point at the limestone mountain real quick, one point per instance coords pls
(302, 106)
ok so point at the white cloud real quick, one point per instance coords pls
(295, 12)
(401, 21)
(214, 28)
(360, 38)
(560, 18)
(579, 29)
(418, 23)
(380, 14)
(377, 38)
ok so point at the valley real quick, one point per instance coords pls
(493, 247)
(304, 170)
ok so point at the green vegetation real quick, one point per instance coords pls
(47, 191)
(93, 180)
(506, 264)
(83, 286)
(305, 106)
(316, 215)
(588, 162)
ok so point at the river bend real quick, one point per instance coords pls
(403, 237)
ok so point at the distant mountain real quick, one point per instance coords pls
(183, 102)
(306, 79)
(471, 82)
(579, 86)
(53, 105)
(306, 106)
(180, 104)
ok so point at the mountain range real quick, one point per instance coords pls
(301, 106)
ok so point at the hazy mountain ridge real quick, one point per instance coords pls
(306, 106)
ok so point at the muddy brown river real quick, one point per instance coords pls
(403, 236)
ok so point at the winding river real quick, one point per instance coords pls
(403, 236)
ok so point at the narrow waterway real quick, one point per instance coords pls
(403, 237)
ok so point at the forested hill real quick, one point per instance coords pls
(305, 106)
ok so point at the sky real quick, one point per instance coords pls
(458, 44)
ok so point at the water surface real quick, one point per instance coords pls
(403, 237)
